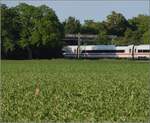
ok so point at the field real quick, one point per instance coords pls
(75, 90)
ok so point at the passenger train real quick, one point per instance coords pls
(107, 51)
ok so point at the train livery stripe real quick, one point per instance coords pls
(109, 54)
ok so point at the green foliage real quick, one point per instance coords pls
(140, 23)
(8, 45)
(10, 28)
(26, 14)
(89, 27)
(72, 25)
(103, 38)
(75, 90)
(40, 27)
(116, 24)
(118, 41)
(31, 29)
(132, 37)
(146, 37)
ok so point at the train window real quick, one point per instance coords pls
(103, 51)
(139, 51)
(84, 51)
(143, 51)
(129, 50)
(146, 51)
(120, 51)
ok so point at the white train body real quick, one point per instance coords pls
(107, 51)
(142, 51)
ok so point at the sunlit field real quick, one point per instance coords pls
(75, 90)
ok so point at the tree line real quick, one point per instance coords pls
(35, 32)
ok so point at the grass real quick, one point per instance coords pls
(75, 90)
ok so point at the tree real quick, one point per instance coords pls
(48, 33)
(48, 29)
(116, 24)
(89, 27)
(146, 37)
(72, 25)
(140, 23)
(103, 38)
(40, 28)
(26, 17)
(10, 29)
(132, 37)
(99, 28)
(118, 41)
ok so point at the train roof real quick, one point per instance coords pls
(143, 46)
(108, 47)
(98, 47)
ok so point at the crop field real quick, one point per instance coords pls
(75, 90)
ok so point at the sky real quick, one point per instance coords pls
(89, 10)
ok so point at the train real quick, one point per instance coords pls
(107, 51)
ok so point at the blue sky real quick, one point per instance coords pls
(95, 10)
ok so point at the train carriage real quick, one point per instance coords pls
(142, 52)
(107, 51)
